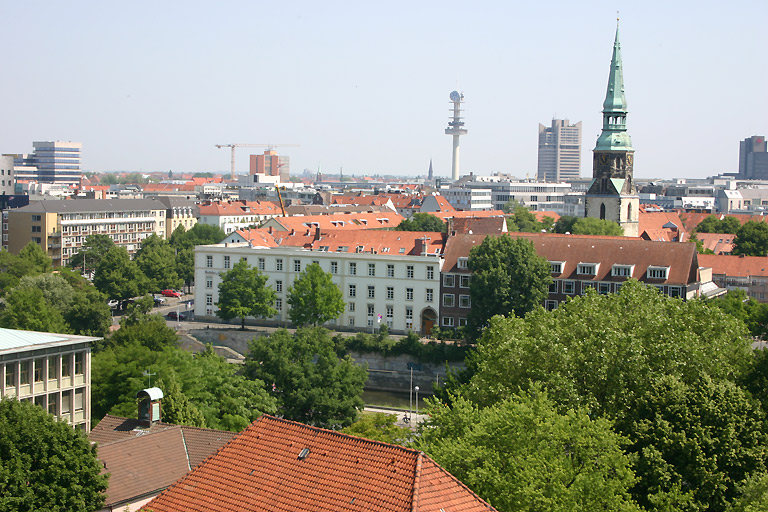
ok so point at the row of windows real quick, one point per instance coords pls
(334, 267)
(617, 270)
(25, 373)
(352, 292)
(449, 280)
(569, 287)
(449, 301)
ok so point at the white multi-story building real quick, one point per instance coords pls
(51, 370)
(6, 174)
(469, 199)
(534, 195)
(379, 288)
(559, 151)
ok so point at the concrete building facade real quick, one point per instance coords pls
(559, 151)
(753, 158)
(51, 162)
(6, 175)
(51, 370)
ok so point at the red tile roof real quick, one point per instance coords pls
(354, 221)
(735, 266)
(465, 214)
(478, 225)
(659, 226)
(541, 214)
(719, 243)
(263, 469)
(240, 208)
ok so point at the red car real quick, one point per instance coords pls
(170, 293)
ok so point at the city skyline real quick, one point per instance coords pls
(149, 87)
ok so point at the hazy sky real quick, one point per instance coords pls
(153, 86)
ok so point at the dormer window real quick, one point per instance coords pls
(360, 248)
(463, 262)
(619, 270)
(655, 272)
(587, 269)
(556, 267)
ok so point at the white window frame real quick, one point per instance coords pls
(449, 278)
(465, 301)
(655, 269)
(462, 262)
(449, 300)
(556, 267)
(622, 270)
(569, 284)
(587, 269)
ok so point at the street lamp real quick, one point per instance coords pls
(417, 403)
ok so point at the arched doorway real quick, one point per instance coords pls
(428, 320)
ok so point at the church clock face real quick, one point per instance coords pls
(603, 159)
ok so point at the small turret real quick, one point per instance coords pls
(149, 406)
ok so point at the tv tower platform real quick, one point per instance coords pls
(456, 128)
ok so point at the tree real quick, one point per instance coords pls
(522, 219)
(46, 464)
(12, 269)
(379, 426)
(522, 455)
(422, 222)
(508, 277)
(199, 234)
(309, 380)
(565, 224)
(34, 254)
(314, 298)
(177, 408)
(27, 309)
(157, 260)
(149, 330)
(91, 253)
(185, 266)
(226, 399)
(593, 226)
(751, 239)
(243, 292)
(711, 224)
(118, 277)
(745, 308)
(753, 495)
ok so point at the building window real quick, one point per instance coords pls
(409, 271)
(371, 292)
(262, 263)
(279, 286)
(390, 293)
(66, 366)
(568, 287)
(587, 269)
(603, 288)
(390, 270)
(37, 218)
(585, 285)
(353, 269)
(674, 291)
(23, 372)
(449, 300)
(372, 269)
(464, 281)
(464, 301)
(226, 262)
(79, 363)
(297, 265)
(556, 267)
(371, 314)
(279, 304)
(447, 321)
(78, 400)
(352, 290)
(208, 299)
(209, 261)
(351, 307)
(408, 313)
(409, 294)
(430, 295)
(462, 322)
(52, 399)
(36, 229)
(52, 367)
(430, 272)
(463, 262)
(334, 267)
(549, 305)
(351, 321)
(279, 264)
(622, 270)
(10, 375)
(449, 280)
(66, 402)
(209, 283)
(658, 272)
(39, 370)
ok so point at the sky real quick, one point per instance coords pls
(364, 86)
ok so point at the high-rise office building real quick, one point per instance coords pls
(559, 151)
(270, 164)
(51, 162)
(753, 158)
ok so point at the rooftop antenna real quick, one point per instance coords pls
(149, 375)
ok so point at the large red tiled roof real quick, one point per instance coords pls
(661, 226)
(263, 469)
(354, 221)
(735, 266)
(478, 225)
(244, 208)
(464, 214)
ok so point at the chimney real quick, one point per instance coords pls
(149, 406)
(270, 230)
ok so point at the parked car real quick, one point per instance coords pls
(159, 300)
(171, 293)
(172, 316)
(113, 303)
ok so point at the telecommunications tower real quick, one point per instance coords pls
(455, 128)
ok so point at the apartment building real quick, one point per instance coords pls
(387, 278)
(62, 226)
(51, 370)
(579, 263)
(747, 273)
(178, 212)
(233, 215)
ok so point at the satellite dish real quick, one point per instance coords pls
(455, 96)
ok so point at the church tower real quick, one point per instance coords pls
(612, 194)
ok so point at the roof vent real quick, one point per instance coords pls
(303, 454)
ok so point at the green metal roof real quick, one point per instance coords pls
(615, 101)
(614, 136)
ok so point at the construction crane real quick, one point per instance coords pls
(235, 146)
(280, 198)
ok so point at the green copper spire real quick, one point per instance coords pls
(614, 136)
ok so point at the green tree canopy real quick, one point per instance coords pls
(33, 253)
(379, 426)
(593, 226)
(199, 234)
(157, 260)
(751, 239)
(521, 454)
(422, 222)
(314, 298)
(523, 220)
(712, 224)
(508, 277)
(46, 464)
(91, 253)
(226, 399)
(565, 224)
(118, 277)
(12, 269)
(27, 309)
(311, 383)
(243, 291)
(738, 304)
